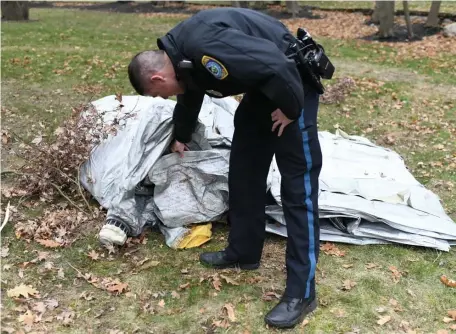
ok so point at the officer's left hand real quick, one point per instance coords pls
(279, 119)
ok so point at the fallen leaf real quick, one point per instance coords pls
(184, 286)
(22, 290)
(20, 273)
(380, 309)
(229, 280)
(86, 295)
(331, 249)
(346, 266)
(447, 320)
(51, 303)
(119, 97)
(411, 293)
(348, 285)
(393, 302)
(442, 331)
(93, 255)
(37, 140)
(7, 267)
(48, 243)
(184, 271)
(305, 322)
(4, 252)
(39, 307)
(48, 265)
(174, 294)
(448, 282)
(221, 323)
(118, 287)
(371, 265)
(269, 296)
(148, 265)
(230, 311)
(67, 317)
(216, 283)
(27, 318)
(60, 273)
(161, 303)
(383, 320)
(396, 273)
(339, 313)
(453, 327)
(452, 314)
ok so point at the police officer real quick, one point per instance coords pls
(228, 51)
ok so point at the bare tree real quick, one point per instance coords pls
(293, 8)
(242, 4)
(433, 16)
(376, 14)
(386, 17)
(260, 4)
(15, 10)
(407, 19)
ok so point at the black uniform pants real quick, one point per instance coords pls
(299, 159)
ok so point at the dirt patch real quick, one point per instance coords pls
(421, 84)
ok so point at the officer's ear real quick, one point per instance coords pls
(157, 78)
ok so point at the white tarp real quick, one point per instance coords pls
(367, 195)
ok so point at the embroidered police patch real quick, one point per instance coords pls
(215, 67)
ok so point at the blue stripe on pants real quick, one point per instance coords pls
(308, 203)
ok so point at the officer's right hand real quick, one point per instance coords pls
(179, 147)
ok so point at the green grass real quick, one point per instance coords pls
(66, 57)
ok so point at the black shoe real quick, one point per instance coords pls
(289, 312)
(218, 260)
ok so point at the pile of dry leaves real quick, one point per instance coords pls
(50, 173)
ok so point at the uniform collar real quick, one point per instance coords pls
(166, 43)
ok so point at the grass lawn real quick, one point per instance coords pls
(65, 57)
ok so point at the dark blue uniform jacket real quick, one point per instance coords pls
(233, 51)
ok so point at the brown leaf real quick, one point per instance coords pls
(383, 320)
(393, 302)
(452, 314)
(348, 285)
(27, 318)
(371, 265)
(67, 317)
(39, 307)
(442, 331)
(346, 266)
(175, 294)
(448, 282)
(93, 255)
(161, 303)
(216, 283)
(221, 323)
(184, 286)
(396, 273)
(453, 327)
(86, 295)
(22, 290)
(229, 280)
(48, 243)
(51, 303)
(331, 249)
(447, 320)
(148, 265)
(230, 311)
(269, 296)
(118, 287)
(119, 97)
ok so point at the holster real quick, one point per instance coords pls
(311, 60)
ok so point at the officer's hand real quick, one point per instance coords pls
(279, 119)
(179, 147)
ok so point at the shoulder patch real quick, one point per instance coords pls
(215, 67)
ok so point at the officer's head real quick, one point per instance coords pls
(151, 73)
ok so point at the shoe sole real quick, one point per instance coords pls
(112, 235)
(243, 266)
(309, 309)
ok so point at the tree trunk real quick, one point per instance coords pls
(433, 17)
(15, 10)
(407, 19)
(260, 4)
(386, 17)
(376, 14)
(293, 8)
(240, 4)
